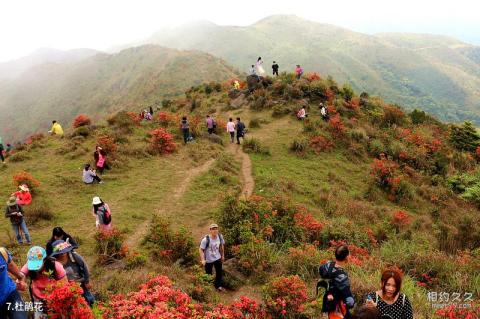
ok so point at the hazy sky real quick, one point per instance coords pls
(26, 25)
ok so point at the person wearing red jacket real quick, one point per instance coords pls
(23, 196)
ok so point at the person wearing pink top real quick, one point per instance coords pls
(298, 71)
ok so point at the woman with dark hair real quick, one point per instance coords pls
(100, 157)
(258, 65)
(102, 214)
(59, 234)
(389, 301)
(90, 175)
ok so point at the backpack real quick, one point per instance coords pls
(74, 258)
(328, 283)
(104, 215)
(207, 237)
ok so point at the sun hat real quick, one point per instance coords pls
(96, 201)
(213, 226)
(24, 187)
(35, 258)
(61, 247)
(12, 201)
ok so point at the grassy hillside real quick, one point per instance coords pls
(398, 188)
(103, 84)
(437, 74)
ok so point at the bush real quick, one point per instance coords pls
(161, 142)
(81, 120)
(170, 246)
(336, 126)
(376, 147)
(19, 156)
(284, 297)
(255, 123)
(135, 260)
(108, 145)
(37, 211)
(26, 178)
(392, 115)
(320, 144)
(304, 261)
(125, 121)
(281, 110)
(254, 256)
(65, 300)
(253, 145)
(81, 131)
(299, 146)
(109, 246)
(358, 135)
(347, 92)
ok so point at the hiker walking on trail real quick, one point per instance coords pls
(90, 175)
(100, 157)
(210, 124)
(24, 197)
(43, 272)
(389, 300)
(258, 65)
(212, 254)
(185, 127)
(298, 71)
(240, 130)
(16, 215)
(1, 151)
(102, 214)
(275, 68)
(56, 129)
(9, 290)
(338, 298)
(75, 267)
(59, 234)
(231, 129)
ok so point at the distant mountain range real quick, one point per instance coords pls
(435, 73)
(99, 85)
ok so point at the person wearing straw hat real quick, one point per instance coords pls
(16, 214)
(74, 265)
(24, 197)
(212, 254)
(43, 272)
(9, 289)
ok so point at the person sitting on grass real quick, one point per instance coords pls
(212, 254)
(56, 129)
(75, 267)
(90, 176)
(23, 195)
(301, 114)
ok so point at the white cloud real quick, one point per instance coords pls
(29, 24)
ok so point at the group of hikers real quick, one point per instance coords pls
(232, 127)
(258, 70)
(386, 303)
(146, 115)
(90, 175)
(302, 113)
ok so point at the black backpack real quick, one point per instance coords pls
(328, 283)
(104, 215)
(207, 237)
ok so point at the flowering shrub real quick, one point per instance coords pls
(453, 312)
(336, 126)
(166, 119)
(401, 219)
(386, 176)
(308, 223)
(313, 77)
(65, 300)
(168, 245)
(285, 297)
(161, 142)
(320, 144)
(109, 246)
(81, 120)
(35, 138)
(108, 144)
(136, 118)
(354, 104)
(26, 178)
(255, 256)
(392, 115)
(303, 261)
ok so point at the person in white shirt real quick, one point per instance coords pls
(231, 129)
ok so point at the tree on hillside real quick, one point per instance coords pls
(464, 137)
